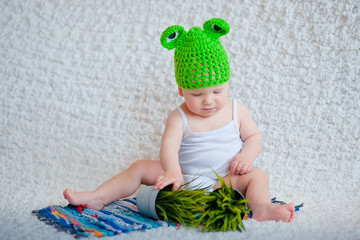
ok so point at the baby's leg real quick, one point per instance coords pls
(255, 187)
(122, 185)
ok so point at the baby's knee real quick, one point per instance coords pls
(147, 167)
(138, 165)
(258, 173)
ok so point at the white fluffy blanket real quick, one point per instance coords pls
(85, 88)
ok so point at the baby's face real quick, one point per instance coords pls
(206, 102)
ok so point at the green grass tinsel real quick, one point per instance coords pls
(180, 206)
(220, 210)
(223, 211)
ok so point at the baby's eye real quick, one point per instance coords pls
(217, 92)
(196, 94)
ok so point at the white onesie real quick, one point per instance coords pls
(201, 153)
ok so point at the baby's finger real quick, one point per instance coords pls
(234, 167)
(167, 182)
(244, 169)
(240, 168)
(161, 183)
(176, 186)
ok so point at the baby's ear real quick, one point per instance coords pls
(180, 92)
(217, 26)
(171, 36)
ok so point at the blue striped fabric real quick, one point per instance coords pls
(116, 218)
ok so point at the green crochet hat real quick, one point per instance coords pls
(200, 59)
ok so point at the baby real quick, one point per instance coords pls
(207, 132)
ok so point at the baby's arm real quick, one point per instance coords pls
(169, 152)
(252, 138)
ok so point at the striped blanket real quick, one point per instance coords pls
(116, 218)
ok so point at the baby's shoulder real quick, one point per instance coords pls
(240, 105)
(175, 115)
(242, 110)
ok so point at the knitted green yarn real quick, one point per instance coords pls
(200, 59)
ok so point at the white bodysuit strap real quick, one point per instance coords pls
(235, 110)
(183, 117)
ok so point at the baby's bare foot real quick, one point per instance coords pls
(285, 212)
(83, 198)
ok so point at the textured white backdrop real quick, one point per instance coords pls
(86, 87)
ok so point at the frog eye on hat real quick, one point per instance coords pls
(171, 36)
(217, 26)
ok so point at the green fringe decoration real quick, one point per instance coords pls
(224, 210)
(221, 210)
(180, 206)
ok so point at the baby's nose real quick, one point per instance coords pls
(207, 101)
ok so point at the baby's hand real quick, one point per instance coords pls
(240, 165)
(169, 178)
